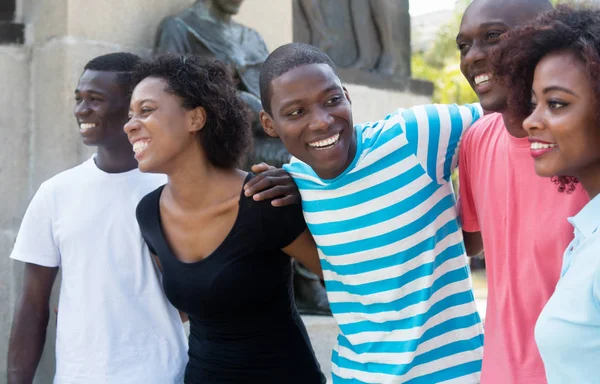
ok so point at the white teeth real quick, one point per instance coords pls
(140, 145)
(325, 143)
(482, 78)
(85, 126)
(538, 145)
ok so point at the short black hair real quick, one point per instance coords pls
(226, 136)
(283, 60)
(123, 63)
(573, 29)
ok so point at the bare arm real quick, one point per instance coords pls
(304, 250)
(28, 332)
(473, 243)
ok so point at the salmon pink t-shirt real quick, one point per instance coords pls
(523, 221)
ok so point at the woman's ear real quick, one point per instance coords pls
(198, 119)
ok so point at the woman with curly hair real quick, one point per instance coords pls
(552, 68)
(225, 258)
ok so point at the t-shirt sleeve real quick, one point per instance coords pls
(466, 204)
(144, 216)
(36, 242)
(282, 225)
(435, 131)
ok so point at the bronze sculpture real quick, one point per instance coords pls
(206, 29)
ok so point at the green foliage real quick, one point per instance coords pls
(440, 65)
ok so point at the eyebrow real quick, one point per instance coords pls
(560, 89)
(90, 91)
(488, 24)
(143, 101)
(333, 87)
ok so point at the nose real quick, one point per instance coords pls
(475, 54)
(533, 122)
(81, 109)
(131, 126)
(321, 120)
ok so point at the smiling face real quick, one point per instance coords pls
(563, 128)
(100, 108)
(482, 24)
(160, 128)
(311, 113)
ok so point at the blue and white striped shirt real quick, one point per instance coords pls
(392, 252)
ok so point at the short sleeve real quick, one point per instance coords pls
(144, 216)
(282, 225)
(466, 204)
(435, 132)
(36, 242)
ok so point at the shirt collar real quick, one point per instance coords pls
(587, 221)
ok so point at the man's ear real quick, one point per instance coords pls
(198, 119)
(267, 123)
(347, 94)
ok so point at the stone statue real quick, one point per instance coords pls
(206, 29)
(369, 35)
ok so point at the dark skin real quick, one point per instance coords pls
(482, 25)
(99, 101)
(28, 332)
(200, 203)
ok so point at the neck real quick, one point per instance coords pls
(216, 13)
(514, 125)
(116, 159)
(193, 182)
(590, 180)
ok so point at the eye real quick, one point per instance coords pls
(532, 105)
(146, 110)
(463, 48)
(295, 112)
(334, 100)
(78, 99)
(492, 36)
(555, 104)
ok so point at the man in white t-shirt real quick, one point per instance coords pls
(115, 324)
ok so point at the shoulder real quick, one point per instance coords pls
(488, 126)
(147, 208)
(67, 178)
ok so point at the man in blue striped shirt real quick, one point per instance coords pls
(378, 200)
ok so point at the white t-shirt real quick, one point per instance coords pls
(115, 324)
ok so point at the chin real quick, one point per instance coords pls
(493, 102)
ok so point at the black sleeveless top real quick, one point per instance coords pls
(244, 326)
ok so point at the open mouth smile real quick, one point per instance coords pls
(326, 143)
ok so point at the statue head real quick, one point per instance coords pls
(231, 7)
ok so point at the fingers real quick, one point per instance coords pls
(284, 201)
(266, 180)
(261, 167)
(277, 191)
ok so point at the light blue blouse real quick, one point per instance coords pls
(568, 329)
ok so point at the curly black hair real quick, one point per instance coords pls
(574, 29)
(226, 136)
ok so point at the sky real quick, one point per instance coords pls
(419, 7)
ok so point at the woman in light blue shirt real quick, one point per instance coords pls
(552, 69)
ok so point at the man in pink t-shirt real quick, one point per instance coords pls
(519, 218)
